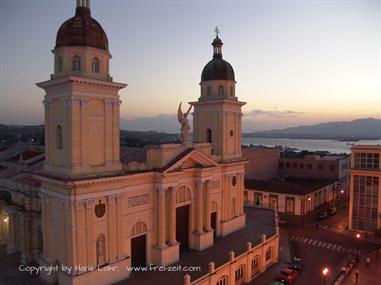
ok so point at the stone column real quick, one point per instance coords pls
(241, 188)
(199, 214)
(11, 245)
(207, 207)
(91, 258)
(172, 216)
(161, 218)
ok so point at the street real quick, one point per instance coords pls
(328, 244)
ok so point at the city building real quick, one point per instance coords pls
(90, 209)
(263, 162)
(295, 199)
(365, 190)
(296, 184)
(333, 167)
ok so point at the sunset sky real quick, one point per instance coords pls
(296, 62)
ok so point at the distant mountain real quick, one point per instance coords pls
(348, 130)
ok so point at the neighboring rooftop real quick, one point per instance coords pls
(291, 185)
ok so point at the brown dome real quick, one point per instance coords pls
(82, 30)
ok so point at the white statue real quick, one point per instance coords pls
(183, 120)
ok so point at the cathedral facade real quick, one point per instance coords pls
(100, 210)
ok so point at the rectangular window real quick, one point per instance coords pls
(288, 165)
(364, 160)
(309, 166)
(320, 166)
(268, 254)
(294, 165)
(273, 202)
(255, 265)
(290, 205)
(301, 166)
(365, 202)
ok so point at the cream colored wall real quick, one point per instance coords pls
(85, 111)
(244, 260)
(86, 54)
(221, 118)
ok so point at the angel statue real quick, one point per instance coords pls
(183, 120)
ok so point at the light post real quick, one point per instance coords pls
(357, 242)
(325, 272)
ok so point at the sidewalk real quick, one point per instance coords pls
(367, 276)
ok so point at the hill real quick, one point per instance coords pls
(347, 130)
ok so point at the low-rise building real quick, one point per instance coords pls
(365, 190)
(295, 199)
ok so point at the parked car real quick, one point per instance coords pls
(276, 283)
(295, 265)
(332, 211)
(288, 274)
(283, 281)
(322, 215)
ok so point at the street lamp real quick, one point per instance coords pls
(357, 242)
(325, 272)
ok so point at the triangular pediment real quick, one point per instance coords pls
(190, 159)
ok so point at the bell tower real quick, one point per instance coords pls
(217, 117)
(81, 101)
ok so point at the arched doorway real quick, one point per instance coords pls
(138, 245)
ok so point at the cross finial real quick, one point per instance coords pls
(217, 31)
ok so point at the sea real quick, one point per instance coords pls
(332, 146)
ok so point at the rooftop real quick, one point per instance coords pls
(258, 221)
(291, 185)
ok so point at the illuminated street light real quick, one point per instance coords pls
(342, 191)
(325, 272)
(357, 242)
(5, 220)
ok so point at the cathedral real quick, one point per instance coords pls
(101, 210)
(100, 206)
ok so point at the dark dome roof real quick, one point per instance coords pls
(82, 30)
(217, 69)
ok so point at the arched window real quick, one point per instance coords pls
(209, 135)
(101, 249)
(59, 64)
(223, 281)
(220, 90)
(76, 63)
(59, 137)
(209, 91)
(95, 65)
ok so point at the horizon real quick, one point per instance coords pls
(294, 61)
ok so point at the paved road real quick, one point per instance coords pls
(319, 247)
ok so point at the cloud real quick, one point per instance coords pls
(273, 114)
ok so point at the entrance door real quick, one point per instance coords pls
(182, 227)
(213, 223)
(138, 251)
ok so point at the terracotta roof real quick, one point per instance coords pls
(82, 30)
(26, 155)
(297, 186)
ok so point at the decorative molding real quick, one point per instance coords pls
(183, 194)
(138, 229)
(139, 200)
